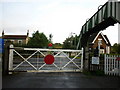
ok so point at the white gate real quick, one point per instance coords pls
(32, 60)
(112, 65)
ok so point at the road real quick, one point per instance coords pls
(58, 80)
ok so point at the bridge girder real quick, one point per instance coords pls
(106, 16)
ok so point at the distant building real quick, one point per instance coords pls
(103, 40)
(57, 45)
(16, 39)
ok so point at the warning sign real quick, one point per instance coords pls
(95, 60)
(118, 58)
(49, 59)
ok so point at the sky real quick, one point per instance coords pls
(56, 17)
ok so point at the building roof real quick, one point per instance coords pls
(14, 36)
(107, 40)
(95, 35)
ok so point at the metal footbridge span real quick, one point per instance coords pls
(107, 15)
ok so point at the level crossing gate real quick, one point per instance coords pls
(34, 60)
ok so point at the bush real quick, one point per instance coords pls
(87, 72)
(96, 73)
(99, 73)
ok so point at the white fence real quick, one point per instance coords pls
(112, 65)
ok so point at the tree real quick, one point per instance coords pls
(75, 41)
(71, 42)
(38, 40)
(116, 48)
(67, 44)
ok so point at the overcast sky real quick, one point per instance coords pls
(59, 17)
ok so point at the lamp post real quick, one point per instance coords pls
(75, 38)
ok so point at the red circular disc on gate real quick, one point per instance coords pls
(49, 59)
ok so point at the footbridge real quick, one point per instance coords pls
(107, 15)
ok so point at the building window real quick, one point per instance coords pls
(107, 49)
(12, 41)
(20, 42)
(102, 51)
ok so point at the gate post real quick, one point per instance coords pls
(105, 64)
(118, 32)
(5, 58)
(85, 58)
(11, 58)
(82, 61)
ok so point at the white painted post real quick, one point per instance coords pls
(11, 59)
(37, 60)
(82, 60)
(99, 43)
(114, 64)
(107, 63)
(105, 67)
(117, 67)
(118, 33)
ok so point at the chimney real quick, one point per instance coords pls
(2, 33)
(27, 32)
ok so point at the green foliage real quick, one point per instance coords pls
(87, 73)
(99, 73)
(71, 42)
(68, 43)
(57, 46)
(38, 40)
(115, 48)
(96, 73)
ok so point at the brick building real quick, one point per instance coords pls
(103, 40)
(16, 39)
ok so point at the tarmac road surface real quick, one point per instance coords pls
(58, 80)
